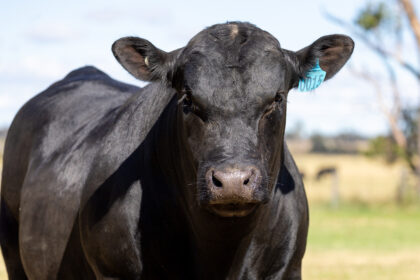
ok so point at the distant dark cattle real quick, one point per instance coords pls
(186, 178)
(325, 171)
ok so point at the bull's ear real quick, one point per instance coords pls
(143, 60)
(332, 51)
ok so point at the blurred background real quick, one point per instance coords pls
(355, 139)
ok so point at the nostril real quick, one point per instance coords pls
(250, 177)
(216, 182)
(233, 179)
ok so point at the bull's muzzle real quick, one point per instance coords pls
(232, 190)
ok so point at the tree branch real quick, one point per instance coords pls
(397, 133)
(378, 49)
(414, 22)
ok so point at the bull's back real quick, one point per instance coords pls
(56, 121)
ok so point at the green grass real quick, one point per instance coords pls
(361, 227)
(356, 241)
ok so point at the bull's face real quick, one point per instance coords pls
(232, 82)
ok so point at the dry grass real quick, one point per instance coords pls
(3, 274)
(361, 179)
(364, 238)
(354, 265)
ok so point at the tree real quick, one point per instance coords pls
(318, 144)
(380, 26)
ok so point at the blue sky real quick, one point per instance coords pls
(43, 40)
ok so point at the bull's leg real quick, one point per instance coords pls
(10, 244)
(74, 264)
(109, 224)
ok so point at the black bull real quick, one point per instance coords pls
(186, 178)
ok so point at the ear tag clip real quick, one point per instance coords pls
(313, 79)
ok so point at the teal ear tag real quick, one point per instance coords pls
(313, 79)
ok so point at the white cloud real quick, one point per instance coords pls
(53, 31)
(32, 68)
(44, 67)
(154, 16)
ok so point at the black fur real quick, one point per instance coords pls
(104, 179)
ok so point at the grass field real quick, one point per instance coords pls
(367, 236)
(3, 274)
(360, 179)
(363, 242)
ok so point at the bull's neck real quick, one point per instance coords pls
(171, 156)
(215, 242)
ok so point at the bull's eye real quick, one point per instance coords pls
(278, 100)
(188, 106)
(186, 99)
(279, 97)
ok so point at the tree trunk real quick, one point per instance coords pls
(415, 27)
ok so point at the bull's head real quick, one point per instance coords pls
(232, 82)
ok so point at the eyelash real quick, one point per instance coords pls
(189, 107)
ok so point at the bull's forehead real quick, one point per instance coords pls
(234, 66)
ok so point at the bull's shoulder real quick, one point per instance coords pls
(71, 106)
(83, 90)
(50, 127)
